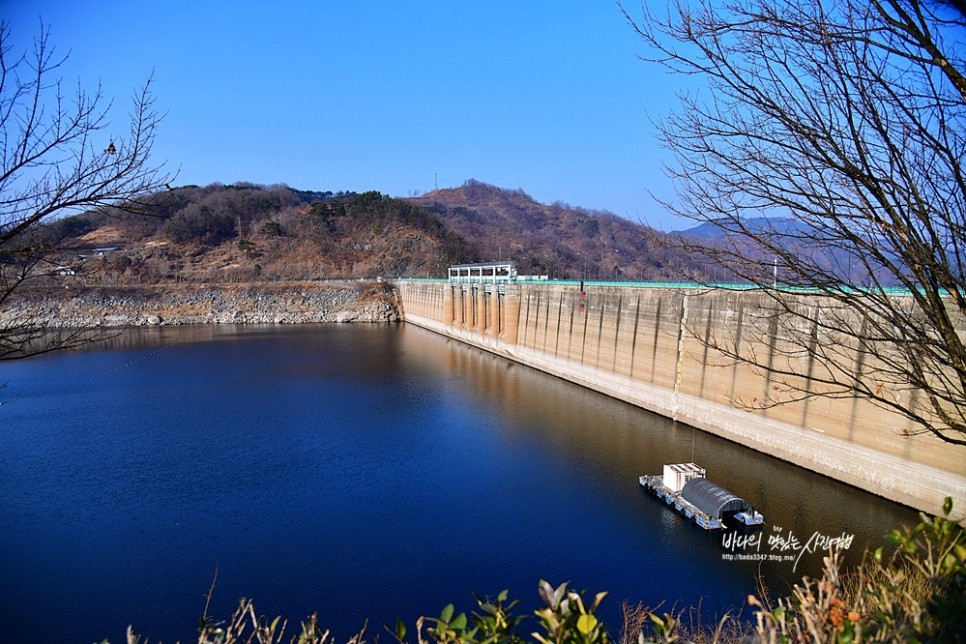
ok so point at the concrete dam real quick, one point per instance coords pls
(646, 345)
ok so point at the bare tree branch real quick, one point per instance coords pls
(826, 144)
(58, 156)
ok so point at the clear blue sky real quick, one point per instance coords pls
(394, 96)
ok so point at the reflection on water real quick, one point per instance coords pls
(616, 442)
(357, 471)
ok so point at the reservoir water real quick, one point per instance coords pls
(361, 472)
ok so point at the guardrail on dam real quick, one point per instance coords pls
(641, 345)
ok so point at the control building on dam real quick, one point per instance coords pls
(646, 345)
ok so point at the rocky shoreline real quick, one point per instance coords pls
(273, 303)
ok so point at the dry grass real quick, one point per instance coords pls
(642, 624)
(246, 627)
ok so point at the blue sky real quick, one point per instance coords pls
(379, 95)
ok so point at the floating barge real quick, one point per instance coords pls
(685, 488)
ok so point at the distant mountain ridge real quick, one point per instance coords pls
(780, 225)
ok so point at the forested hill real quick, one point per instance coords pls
(555, 240)
(245, 232)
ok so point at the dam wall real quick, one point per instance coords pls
(649, 346)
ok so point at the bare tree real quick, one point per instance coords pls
(59, 156)
(827, 144)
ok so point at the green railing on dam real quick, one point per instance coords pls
(686, 286)
(648, 344)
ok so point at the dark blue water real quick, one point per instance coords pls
(361, 472)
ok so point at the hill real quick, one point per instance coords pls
(246, 232)
(556, 240)
(249, 233)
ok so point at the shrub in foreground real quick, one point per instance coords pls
(915, 594)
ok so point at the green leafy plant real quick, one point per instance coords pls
(493, 624)
(918, 594)
(567, 620)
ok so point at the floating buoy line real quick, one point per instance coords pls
(134, 362)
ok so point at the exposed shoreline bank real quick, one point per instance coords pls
(268, 303)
